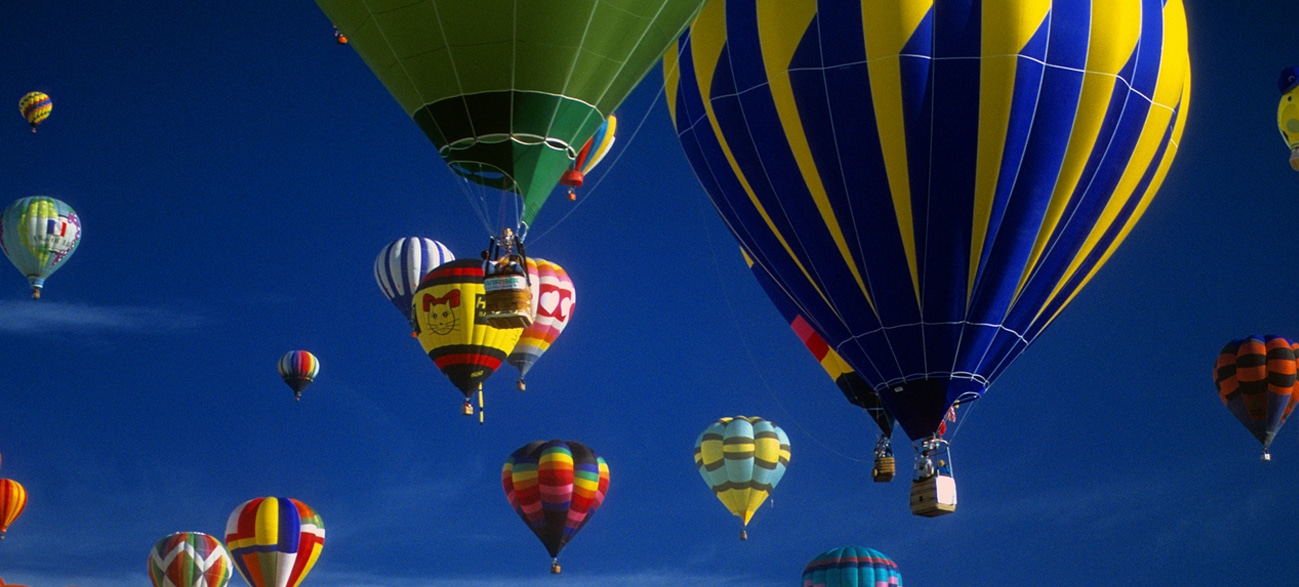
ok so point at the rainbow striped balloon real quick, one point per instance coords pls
(299, 369)
(274, 541)
(852, 566)
(555, 487)
(189, 559)
(553, 298)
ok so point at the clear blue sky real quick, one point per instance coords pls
(236, 173)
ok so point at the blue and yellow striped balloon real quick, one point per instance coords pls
(931, 182)
(742, 459)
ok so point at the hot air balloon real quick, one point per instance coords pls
(1287, 112)
(851, 566)
(555, 487)
(189, 559)
(274, 542)
(509, 96)
(13, 498)
(402, 263)
(926, 181)
(299, 369)
(742, 459)
(39, 234)
(35, 107)
(451, 328)
(553, 299)
(853, 387)
(592, 154)
(1255, 377)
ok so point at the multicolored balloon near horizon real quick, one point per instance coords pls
(553, 299)
(38, 234)
(931, 182)
(402, 264)
(189, 559)
(298, 369)
(507, 119)
(852, 566)
(452, 329)
(1255, 377)
(555, 487)
(35, 108)
(274, 542)
(13, 498)
(742, 459)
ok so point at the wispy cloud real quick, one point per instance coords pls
(27, 317)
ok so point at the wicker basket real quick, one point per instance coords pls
(933, 496)
(884, 470)
(507, 301)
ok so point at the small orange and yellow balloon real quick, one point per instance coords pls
(13, 498)
(36, 107)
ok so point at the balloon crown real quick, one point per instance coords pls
(1289, 79)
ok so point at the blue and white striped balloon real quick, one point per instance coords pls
(403, 263)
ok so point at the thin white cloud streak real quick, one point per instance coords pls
(34, 317)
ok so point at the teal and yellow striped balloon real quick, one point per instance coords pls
(742, 459)
(931, 183)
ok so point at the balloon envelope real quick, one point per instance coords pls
(35, 108)
(274, 542)
(401, 265)
(13, 498)
(189, 559)
(742, 459)
(509, 91)
(553, 299)
(1255, 377)
(452, 328)
(555, 487)
(39, 234)
(852, 566)
(926, 180)
(298, 369)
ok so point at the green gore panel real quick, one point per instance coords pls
(509, 90)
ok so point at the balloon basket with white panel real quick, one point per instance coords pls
(933, 489)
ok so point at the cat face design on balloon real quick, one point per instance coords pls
(440, 315)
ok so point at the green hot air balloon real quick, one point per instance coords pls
(38, 235)
(510, 91)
